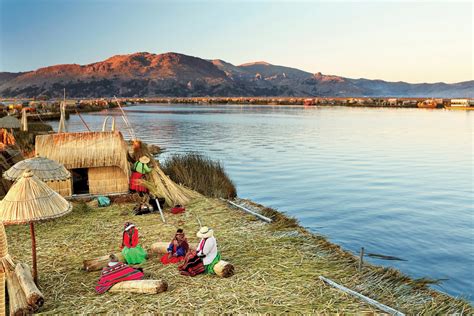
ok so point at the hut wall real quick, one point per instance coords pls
(64, 188)
(105, 180)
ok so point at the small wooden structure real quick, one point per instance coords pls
(98, 161)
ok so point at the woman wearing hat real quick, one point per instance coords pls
(131, 250)
(140, 168)
(207, 249)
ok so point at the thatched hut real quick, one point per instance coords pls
(98, 161)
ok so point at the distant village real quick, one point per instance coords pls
(49, 109)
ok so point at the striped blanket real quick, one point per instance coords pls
(115, 274)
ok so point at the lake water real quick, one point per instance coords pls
(398, 182)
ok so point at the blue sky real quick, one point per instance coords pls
(396, 41)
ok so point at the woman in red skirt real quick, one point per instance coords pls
(177, 248)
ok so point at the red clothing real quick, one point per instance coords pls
(135, 184)
(115, 274)
(130, 238)
(167, 260)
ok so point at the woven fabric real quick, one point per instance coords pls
(115, 274)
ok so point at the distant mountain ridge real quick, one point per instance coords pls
(173, 74)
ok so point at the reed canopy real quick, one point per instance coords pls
(45, 169)
(9, 122)
(30, 200)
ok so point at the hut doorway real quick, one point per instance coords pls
(80, 181)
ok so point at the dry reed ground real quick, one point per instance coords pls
(277, 267)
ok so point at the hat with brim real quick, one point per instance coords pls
(144, 159)
(205, 232)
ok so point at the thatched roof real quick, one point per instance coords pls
(9, 122)
(31, 200)
(44, 168)
(85, 149)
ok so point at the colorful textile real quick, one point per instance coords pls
(135, 255)
(167, 259)
(192, 266)
(135, 183)
(141, 167)
(114, 274)
(210, 267)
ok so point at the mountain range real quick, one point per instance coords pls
(177, 75)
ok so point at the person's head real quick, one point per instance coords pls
(127, 226)
(205, 232)
(179, 235)
(113, 258)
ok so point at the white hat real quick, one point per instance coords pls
(205, 232)
(144, 159)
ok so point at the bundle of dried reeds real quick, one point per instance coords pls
(159, 183)
(34, 297)
(98, 263)
(17, 298)
(140, 286)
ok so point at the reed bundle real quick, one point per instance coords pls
(98, 263)
(158, 182)
(140, 286)
(17, 298)
(33, 295)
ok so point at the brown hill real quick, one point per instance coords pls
(172, 74)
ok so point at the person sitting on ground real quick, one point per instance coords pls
(131, 250)
(177, 249)
(207, 249)
(116, 272)
(192, 265)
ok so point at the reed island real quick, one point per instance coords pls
(271, 263)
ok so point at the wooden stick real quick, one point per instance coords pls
(361, 258)
(17, 298)
(260, 216)
(161, 212)
(99, 262)
(33, 295)
(140, 286)
(366, 299)
(33, 249)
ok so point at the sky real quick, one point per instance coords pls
(413, 41)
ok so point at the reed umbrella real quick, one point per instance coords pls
(30, 200)
(45, 169)
(9, 122)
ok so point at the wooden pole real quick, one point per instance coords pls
(263, 218)
(366, 299)
(33, 250)
(161, 212)
(361, 258)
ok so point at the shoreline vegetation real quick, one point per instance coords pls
(49, 109)
(277, 265)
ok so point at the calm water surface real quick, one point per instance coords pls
(398, 182)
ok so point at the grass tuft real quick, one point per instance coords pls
(201, 174)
